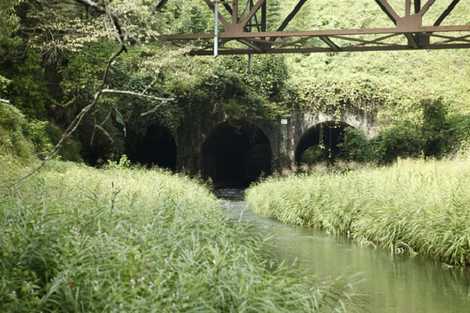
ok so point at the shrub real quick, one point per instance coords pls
(314, 154)
(26, 139)
(402, 140)
(435, 128)
(355, 146)
(459, 134)
(70, 149)
(12, 133)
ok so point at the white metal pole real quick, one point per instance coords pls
(216, 28)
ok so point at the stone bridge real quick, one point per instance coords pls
(234, 153)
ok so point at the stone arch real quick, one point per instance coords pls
(235, 154)
(156, 146)
(303, 122)
(321, 142)
(362, 122)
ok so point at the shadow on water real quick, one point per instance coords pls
(393, 284)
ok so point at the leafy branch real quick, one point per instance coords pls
(102, 90)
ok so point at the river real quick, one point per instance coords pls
(392, 284)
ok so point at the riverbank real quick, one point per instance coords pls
(411, 207)
(78, 239)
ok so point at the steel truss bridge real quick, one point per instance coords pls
(249, 29)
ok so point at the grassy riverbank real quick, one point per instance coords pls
(75, 239)
(410, 207)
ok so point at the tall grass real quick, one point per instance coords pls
(75, 239)
(411, 207)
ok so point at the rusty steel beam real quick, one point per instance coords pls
(446, 13)
(264, 17)
(330, 43)
(426, 7)
(252, 12)
(417, 6)
(227, 7)
(233, 10)
(451, 39)
(318, 33)
(408, 7)
(376, 41)
(388, 10)
(410, 26)
(291, 15)
(210, 4)
(328, 50)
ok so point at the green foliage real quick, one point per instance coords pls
(7, 42)
(401, 140)
(3, 85)
(29, 139)
(28, 90)
(9, 23)
(274, 14)
(75, 239)
(266, 75)
(435, 128)
(70, 149)
(408, 208)
(337, 96)
(13, 140)
(123, 163)
(355, 146)
(231, 94)
(460, 133)
(386, 86)
(314, 154)
(37, 133)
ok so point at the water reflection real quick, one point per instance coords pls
(394, 284)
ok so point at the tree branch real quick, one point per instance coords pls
(160, 5)
(136, 94)
(92, 4)
(73, 126)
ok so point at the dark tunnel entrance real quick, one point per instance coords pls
(235, 156)
(155, 147)
(321, 143)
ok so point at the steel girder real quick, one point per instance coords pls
(250, 29)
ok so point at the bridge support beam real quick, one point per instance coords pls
(250, 30)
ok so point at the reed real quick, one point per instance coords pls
(75, 239)
(414, 206)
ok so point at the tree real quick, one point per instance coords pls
(435, 128)
(8, 25)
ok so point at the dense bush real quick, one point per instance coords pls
(435, 128)
(459, 133)
(314, 154)
(355, 146)
(27, 139)
(75, 239)
(13, 138)
(401, 140)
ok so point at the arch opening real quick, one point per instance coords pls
(322, 143)
(235, 156)
(156, 147)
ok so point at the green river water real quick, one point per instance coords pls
(392, 284)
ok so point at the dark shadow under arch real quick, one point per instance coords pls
(235, 155)
(156, 147)
(321, 142)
